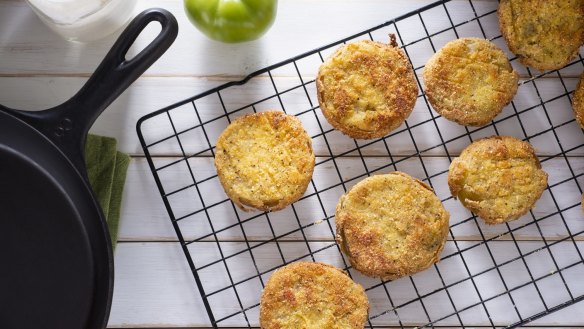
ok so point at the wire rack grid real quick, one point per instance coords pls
(509, 274)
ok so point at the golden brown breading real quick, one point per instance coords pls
(366, 89)
(312, 296)
(578, 102)
(497, 178)
(264, 160)
(469, 81)
(391, 226)
(544, 34)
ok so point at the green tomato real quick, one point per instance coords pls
(232, 20)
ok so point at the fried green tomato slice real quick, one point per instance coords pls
(264, 160)
(366, 89)
(544, 34)
(497, 178)
(578, 102)
(391, 226)
(312, 296)
(469, 81)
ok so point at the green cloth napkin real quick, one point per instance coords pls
(106, 168)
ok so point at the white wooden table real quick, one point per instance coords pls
(153, 283)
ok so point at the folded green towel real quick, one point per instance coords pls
(106, 168)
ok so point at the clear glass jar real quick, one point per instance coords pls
(84, 20)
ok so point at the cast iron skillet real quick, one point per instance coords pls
(56, 262)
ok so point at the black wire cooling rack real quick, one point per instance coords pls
(508, 276)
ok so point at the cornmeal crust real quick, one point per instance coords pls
(264, 160)
(497, 178)
(391, 226)
(544, 34)
(312, 296)
(469, 81)
(578, 102)
(367, 89)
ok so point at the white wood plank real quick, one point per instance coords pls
(119, 120)
(524, 118)
(154, 287)
(193, 54)
(150, 94)
(29, 47)
(144, 217)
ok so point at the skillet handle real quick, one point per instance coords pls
(67, 124)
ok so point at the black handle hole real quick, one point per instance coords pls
(150, 32)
